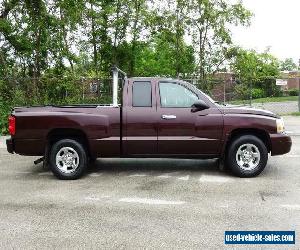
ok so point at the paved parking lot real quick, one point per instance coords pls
(279, 107)
(153, 204)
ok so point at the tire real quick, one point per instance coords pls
(247, 156)
(68, 159)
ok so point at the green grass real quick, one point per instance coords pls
(295, 113)
(267, 99)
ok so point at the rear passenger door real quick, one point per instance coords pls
(140, 119)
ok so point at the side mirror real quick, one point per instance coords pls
(199, 105)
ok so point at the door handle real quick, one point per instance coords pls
(168, 117)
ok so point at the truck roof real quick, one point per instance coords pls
(152, 78)
(156, 78)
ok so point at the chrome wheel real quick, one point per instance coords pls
(67, 160)
(248, 156)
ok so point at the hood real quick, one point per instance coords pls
(247, 110)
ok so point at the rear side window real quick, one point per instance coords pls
(141, 94)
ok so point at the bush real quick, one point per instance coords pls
(4, 113)
(5, 106)
(258, 93)
(242, 91)
(293, 92)
(277, 92)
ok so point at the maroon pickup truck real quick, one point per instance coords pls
(158, 118)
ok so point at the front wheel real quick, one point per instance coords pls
(68, 159)
(247, 156)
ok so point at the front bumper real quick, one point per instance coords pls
(10, 146)
(281, 144)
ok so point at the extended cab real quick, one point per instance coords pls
(156, 118)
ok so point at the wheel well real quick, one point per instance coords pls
(68, 133)
(261, 134)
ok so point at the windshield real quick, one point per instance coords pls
(207, 96)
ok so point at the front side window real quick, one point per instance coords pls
(141, 94)
(173, 95)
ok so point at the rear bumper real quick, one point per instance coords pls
(10, 146)
(281, 144)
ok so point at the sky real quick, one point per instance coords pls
(276, 23)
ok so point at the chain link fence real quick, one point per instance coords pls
(224, 88)
(65, 90)
(227, 89)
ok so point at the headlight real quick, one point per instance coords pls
(280, 125)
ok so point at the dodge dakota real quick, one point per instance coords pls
(157, 117)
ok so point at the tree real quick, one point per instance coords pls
(159, 57)
(38, 35)
(209, 25)
(139, 14)
(255, 71)
(288, 65)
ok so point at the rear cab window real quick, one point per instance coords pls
(142, 94)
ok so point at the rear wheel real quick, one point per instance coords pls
(68, 159)
(247, 156)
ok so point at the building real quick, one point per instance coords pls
(293, 80)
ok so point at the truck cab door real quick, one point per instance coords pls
(183, 132)
(140, 119)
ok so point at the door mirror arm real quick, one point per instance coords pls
(199, 105)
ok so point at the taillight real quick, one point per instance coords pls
(12, 125)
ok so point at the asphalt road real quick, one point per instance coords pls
(152, 204)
